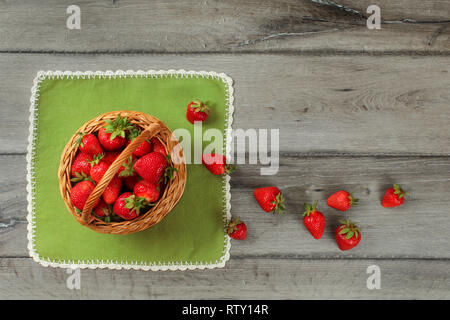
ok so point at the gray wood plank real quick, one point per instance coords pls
(240, 279)
(419, 229)
(211, 26)
(321, 104)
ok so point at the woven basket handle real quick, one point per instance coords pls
(113, 168)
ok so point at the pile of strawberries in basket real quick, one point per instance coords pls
(138, 184)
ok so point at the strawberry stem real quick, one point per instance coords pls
(279, 204)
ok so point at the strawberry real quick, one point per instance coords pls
(144, 148)
(112, 190)
(151, 167)
(237, 229)
(102, 209)
(393, 197)
(112, 136)
(148, 191)
(99, 170)
(342, 200)
(158, 146)
(127, 168)
(87, 142)
(111, 156)
(217, 164)
(314, 220)
(80, 193)
(348, 235)
(128, 206)
(81, 164)
(130, 182)
(197, 111)
(270, 199)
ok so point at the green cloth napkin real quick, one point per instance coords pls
(191, 236)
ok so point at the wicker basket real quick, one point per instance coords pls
(174, 189)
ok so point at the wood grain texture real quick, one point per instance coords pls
(240, 279)
(419, 229)
(321, 104)
(224, 26)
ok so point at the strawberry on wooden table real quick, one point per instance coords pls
(217, 164)
(393, 197)
(148, 191)
(348, 235)
(342, 200)
(128, 206)
(151, 167)
(158, 146)
(197, 111)
(81, 164)
(80, 193)
(112, 136)
(270, 199)
(87, 142)
(237, 229)
(314, 220)
(112, 191)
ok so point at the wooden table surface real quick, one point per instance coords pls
(357, 109)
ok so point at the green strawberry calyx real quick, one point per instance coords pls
(169, 171)
(399, 192)
(81, 176)
(133, 133)
(232, 226)
(136, 203)
(97, 159)
(350, 229)
(200, 106)
(118, 126)
(229, 168)
(279, 204)
(129, 168)
(353, 201)
(79, 141)
(309, 208)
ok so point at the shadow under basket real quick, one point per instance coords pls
(151, 127)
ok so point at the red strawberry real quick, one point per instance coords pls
(99, 170)
(112, 190)
(148, 191)
(80, 193)
(112, 136)
(88, 143)
(270, 199)
(158, 146)
(108, 143)
(342, 200)
(144, 148)
(102, 209)
(130, 182)
(151, 167)
(111, 156)
(128, 206)
(197, 111)
(348, 235)
(217, 164)
(127, 169)
(237, 229)
(81, 164)
(314, 220)
(393, 197)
